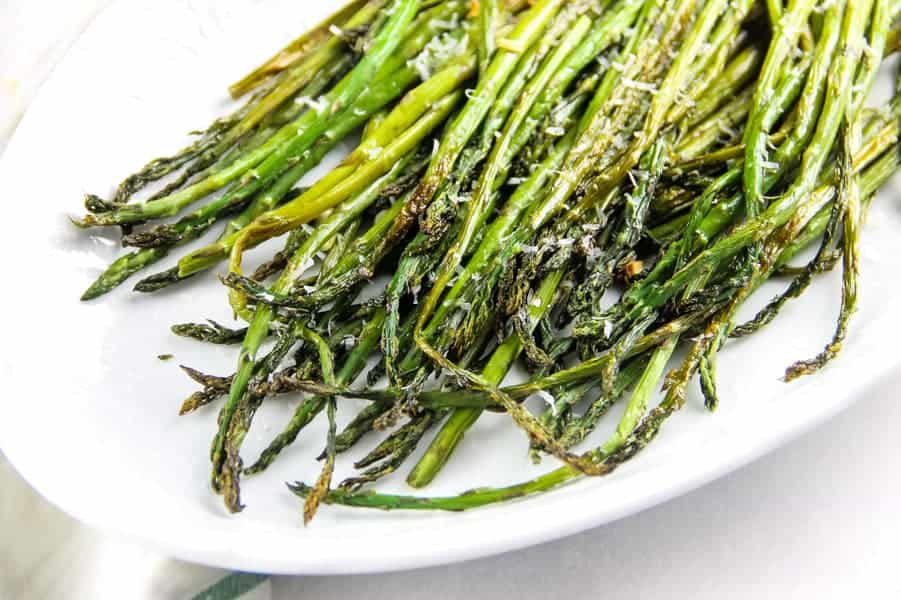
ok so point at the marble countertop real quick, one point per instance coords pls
(817, 519)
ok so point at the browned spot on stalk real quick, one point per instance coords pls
(633, 269)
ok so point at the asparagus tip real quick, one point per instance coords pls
(97, 289)
(85, 222)
(96, 205)
(158, 281)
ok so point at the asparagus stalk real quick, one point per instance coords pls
(871, 180)
(416, 106)
(586, 124)
(226, 446)
(452, 433)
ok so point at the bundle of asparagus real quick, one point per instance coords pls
(550, 183)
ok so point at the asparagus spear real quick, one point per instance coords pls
(417, 104)
(871, 180)
(226, 446)
(452, 432)
(586, 124)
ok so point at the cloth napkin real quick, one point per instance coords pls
(45, 554)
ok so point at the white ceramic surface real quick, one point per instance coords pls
(88, 412)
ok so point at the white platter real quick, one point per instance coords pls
(88, 412)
